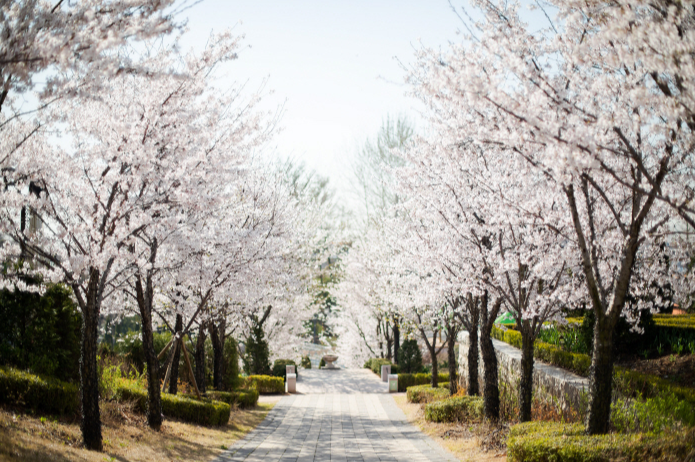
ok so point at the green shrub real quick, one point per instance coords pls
(306, 362)
(653, 415)
(551, 441)
(322, 363)
(280, 369)
(634, 384)
(410, 380)
(265, 384)
(427, 394)
(377, 363)
(241, 398)
(683, 321)
(368, 363)
(41, 333)
(410, 357)
(184, 407)
(458, 408)
(35, 392)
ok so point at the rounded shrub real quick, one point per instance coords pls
(265, 384)
(280, 370)
(460, 408)
(427, 394)
(306, 362)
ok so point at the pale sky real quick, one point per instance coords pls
(334, 64)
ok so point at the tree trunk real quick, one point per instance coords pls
(154, 396)
(389, 345)
(526, 383)
(473, 354)
(89, 375)
(491, 391)
(453, 373)
(217, 337)
(174, 377)
(200, 358)
(435, 367)
(600, 378)
(396, 340)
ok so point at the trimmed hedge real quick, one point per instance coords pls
(427, 394)
(459, 408)
(279, 368)
(184, 407)
(242, 398)
(575, 362)
(375, 365)
(411, 380)
(35, 392)
(551, 441)
(265, 384)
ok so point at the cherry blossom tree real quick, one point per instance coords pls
(591, 108)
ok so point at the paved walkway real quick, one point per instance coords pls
(344, 415)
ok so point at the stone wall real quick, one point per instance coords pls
(566, 388)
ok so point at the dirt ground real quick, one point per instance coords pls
(127, 438)
(467, 442)
(678, 369)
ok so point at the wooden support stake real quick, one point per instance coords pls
(190, 370)
(166, 377)
(166, 348)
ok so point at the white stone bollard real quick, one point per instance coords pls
(385, 371)
(393, 383)
(291, 386)
(289, 370)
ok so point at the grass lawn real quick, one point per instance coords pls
(127, 438)
(464, 441)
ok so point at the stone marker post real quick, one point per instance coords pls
(385, 371)
(393, 383)
(291, 386)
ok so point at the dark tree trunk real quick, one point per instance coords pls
(200, 358)
(473, 354)
(491, 392)
(217, 338)
(396, 340)
(89, 375)
(600, 378)
(453, 373)
(389, 345)
(526, 383)
(174, 376)
(435, 367)
(154, 396)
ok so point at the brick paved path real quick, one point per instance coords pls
(341, 415)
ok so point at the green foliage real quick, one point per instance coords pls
(257, 356)
(409, 380)
(683, 321)
(410, 357)
(109, 379)
(231, 380)
(322, 363)
(41, 333)
(625, 340)
(265, 384)
(458, 408)
(129, 346)
(427, 394)
(306, 362)
(551, 441)
(280, 370)
(184, 407)
(576, 362)
(654, 415)
(35, 392)
(376, 364)
(241, 398)
(632, 384)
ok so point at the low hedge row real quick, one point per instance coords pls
(265, 384)
(458, 408)
(35, 392)
(427, 394)
(242, 398)
(552, 441)
(375, 365)
(575, 362)
(184, 407)
(410, 380)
